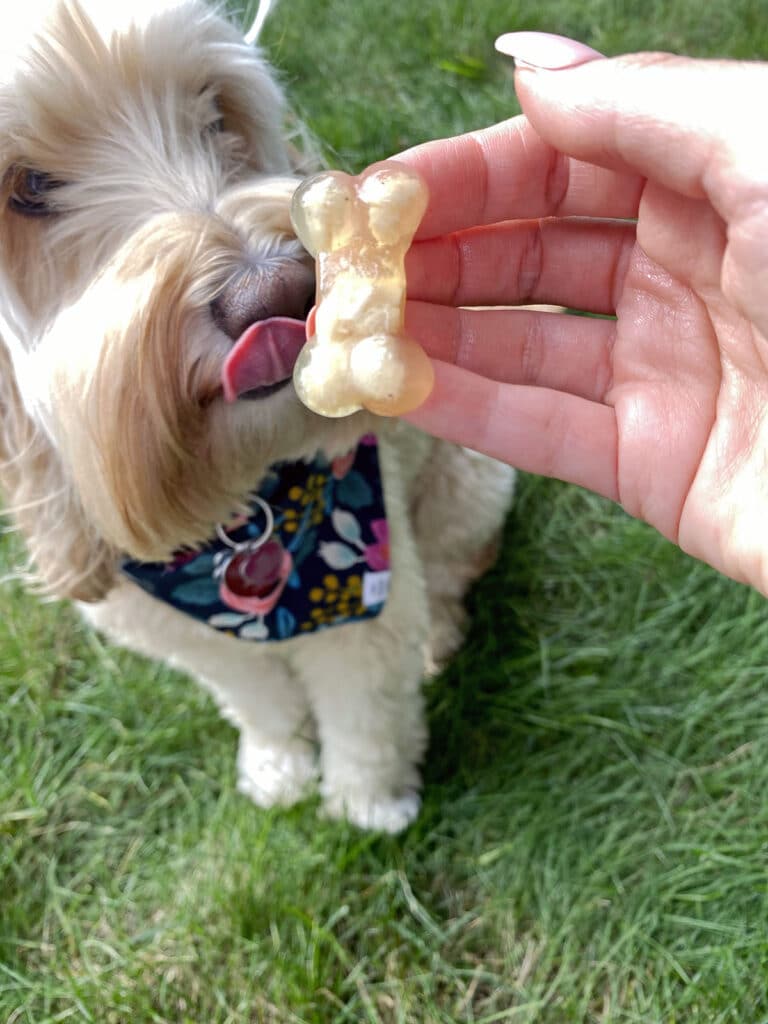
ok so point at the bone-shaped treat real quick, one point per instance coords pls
(359, 229)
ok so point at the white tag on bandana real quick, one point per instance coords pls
(376, 587)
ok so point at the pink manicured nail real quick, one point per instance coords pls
(544, 50)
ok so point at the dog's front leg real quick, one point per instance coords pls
(363, 681)
(364, 688)
(255, 689)
(257, 693)
(276, 760)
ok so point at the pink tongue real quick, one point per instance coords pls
(264, 354)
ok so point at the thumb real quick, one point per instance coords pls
(687, 124)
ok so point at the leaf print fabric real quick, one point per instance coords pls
(329, 522)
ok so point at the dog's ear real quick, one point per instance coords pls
(68, 559)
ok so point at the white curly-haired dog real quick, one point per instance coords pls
(145, 237)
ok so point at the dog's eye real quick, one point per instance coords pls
(215, 126)
(31, 192)
(213, 116)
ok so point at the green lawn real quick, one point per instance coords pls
(594, 840)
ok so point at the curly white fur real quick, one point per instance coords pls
(160, 136)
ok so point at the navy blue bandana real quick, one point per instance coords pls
(314, 553)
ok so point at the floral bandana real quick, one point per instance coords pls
(314, 553)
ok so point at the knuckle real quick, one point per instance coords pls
(530, 264)
(532, 350)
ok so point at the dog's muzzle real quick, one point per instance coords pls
(263, 311)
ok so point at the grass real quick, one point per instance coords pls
(594, 840)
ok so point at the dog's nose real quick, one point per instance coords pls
(285, 288)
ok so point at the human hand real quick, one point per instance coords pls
(663, 408)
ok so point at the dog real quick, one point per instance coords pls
(307, 571)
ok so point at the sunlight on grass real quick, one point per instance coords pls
(593, 841)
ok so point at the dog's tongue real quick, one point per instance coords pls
(264, 354)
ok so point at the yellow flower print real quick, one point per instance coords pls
(312, 497)
(333, 602)
(291, 520)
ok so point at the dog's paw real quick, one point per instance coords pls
(276, 776)
(377, 813)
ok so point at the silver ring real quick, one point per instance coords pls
(252, 544)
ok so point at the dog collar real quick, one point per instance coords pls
(313, 553)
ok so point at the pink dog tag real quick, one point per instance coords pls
(252, 581)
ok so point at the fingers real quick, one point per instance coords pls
(566, 353)
(575, 263)
(505, 172)
(535, 429)
(688, 124)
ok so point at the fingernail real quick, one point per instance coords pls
(544, 50)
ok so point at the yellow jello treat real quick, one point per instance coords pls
(359, 229)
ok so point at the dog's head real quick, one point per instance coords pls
(145, 183)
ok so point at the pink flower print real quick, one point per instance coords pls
(342, 464)
(180, 559)
(253, 581)
(377, 555)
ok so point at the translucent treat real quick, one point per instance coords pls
(359, 230)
